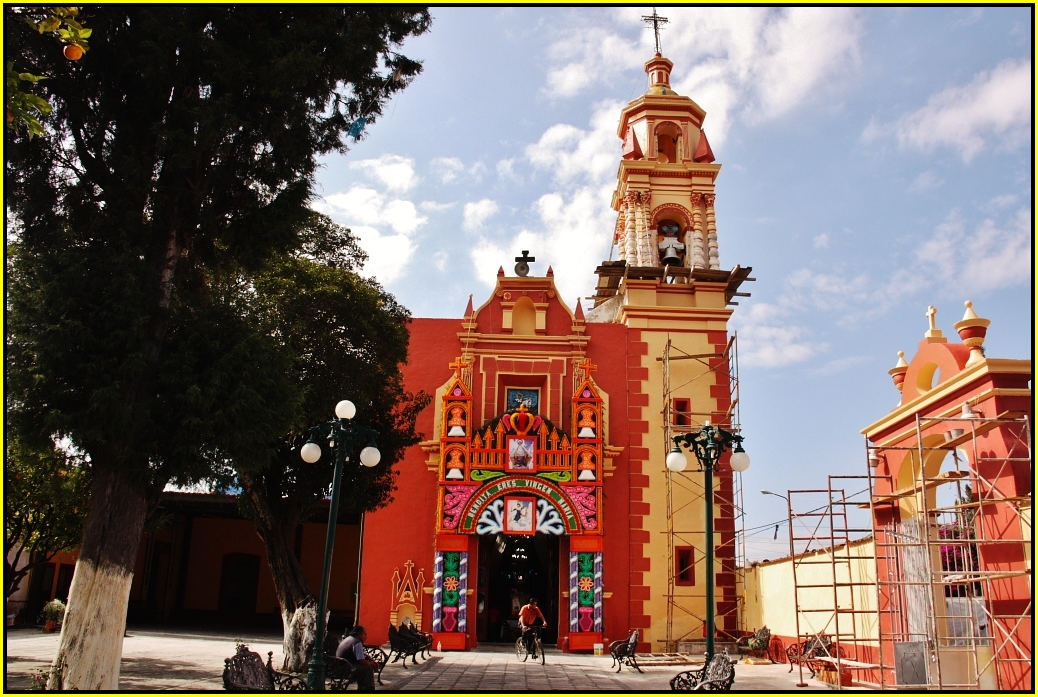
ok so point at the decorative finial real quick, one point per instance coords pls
(655, 20)
(973, 330)
(933, 333)
(897, 373)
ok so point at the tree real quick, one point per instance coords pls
(347, 338)
(46, 493)
(180, 131)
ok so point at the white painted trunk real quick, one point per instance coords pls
(299, 637)
(91, 645)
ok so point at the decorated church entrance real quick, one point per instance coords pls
(513, 569)
(527, 491)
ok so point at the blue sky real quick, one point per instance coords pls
(875, 161)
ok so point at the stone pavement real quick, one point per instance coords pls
(165, 659)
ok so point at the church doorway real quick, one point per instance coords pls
(512, 569)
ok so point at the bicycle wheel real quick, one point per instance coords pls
(520, 649)
(540, 650)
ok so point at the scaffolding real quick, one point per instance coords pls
(834, 575)
(938, 596)
(954, 589)
(681, 599)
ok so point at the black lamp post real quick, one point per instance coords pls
(708, 444)
(342, 435)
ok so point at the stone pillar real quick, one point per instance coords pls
(695, 243)
(711, 232)
(630, 235)
(642, 222)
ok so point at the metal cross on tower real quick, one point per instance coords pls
(656, 21)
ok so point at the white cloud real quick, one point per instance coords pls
(994, 110)
(385, 227)
(477, 213)
(440, 259)
(925, 181)
(506, 170)
(838, 365)
(767, 341)
(571, 153)
(447, 168)
(434, 207)
(395, 172)
(751, 63)
(569, 238)
(822, 241)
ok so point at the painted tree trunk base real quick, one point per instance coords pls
(299, 637)
(96, 611)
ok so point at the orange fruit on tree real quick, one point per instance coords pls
(73, 52)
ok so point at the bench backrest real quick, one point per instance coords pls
(247, 668)
(719, 668)
(632, 640)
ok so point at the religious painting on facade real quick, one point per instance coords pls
(521, 451)
(516, 397)
(520, 515)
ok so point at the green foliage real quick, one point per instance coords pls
(54, 611)
(23, 109)
(46, 493)
(183, 163)
(346, 338)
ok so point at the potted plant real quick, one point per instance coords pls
(53, 613)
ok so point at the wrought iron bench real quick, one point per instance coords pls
(717, 675)
(757, 644)
(424, 639)
(401, 646)
(624, 652)
(246, 672)
(805, 653)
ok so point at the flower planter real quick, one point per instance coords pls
(50, 626)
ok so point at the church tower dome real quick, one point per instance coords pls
(664, 196)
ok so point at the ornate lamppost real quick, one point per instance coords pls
(708, 444)
(342, 435)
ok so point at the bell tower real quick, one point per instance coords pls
(664, 194)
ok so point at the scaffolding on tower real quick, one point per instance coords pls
(685, 621)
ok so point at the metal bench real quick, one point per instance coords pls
(756, 644)
(402, 646)
(246, 672)
(717, 675)
(424, 639)
(811, 652)
(623, 652)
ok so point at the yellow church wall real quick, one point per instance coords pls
(768, 593)
(689, 379)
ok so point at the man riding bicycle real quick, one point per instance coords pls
(530, 618)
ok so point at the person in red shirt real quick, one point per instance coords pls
(530, 617)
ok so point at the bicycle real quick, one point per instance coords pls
(520, 647)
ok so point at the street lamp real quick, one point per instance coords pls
(708, 444)
(342, 435)
(792, 565)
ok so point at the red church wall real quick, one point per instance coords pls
(405, 529)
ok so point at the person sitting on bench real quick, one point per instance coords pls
(352, 649)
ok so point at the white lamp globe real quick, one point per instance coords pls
(740, 461)
(345, 409)
(311, 452)
(370, 456)
(676, 461)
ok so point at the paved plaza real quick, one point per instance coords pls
(193, 661)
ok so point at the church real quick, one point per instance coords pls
(543, 470)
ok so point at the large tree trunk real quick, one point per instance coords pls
(298, 606)
(92, 634)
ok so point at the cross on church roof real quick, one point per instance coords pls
(458, 365)
(656, 21)
(526, 257)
